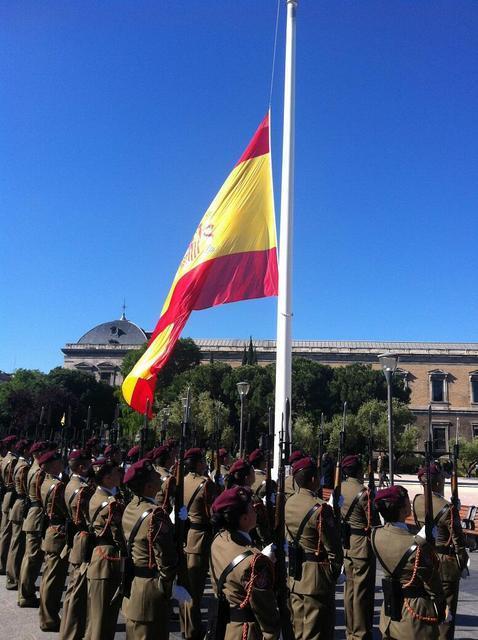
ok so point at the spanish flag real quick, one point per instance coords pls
(232, 256)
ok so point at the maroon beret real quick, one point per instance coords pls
(9, 440)
(138, 471)
(435, 470)
(239, 465)
(391, 495)
(350, 461)
(111, 448)
(100, 462)
(195, 452)
(49, 456)
(79, 454)
(256, 456)
(21, 445)
(231, 498)
(134, 451)
(157, 452)
(304, 463)
(38, 447)
(296, 455)
(222, 453)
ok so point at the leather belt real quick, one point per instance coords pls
(145, 572)
(445, 551)
(313, 557)
(415, 592)
(241, 615)
(358, 532)
(35, 503)
(200, 527)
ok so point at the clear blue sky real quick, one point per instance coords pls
(120, 120)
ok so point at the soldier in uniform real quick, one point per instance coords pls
(7, 469)
(113, 452)
(242, 474)
(258, 460)
(224, 465)
(450, 542)
(315, 555)
(413, 596)
(241, 575)
(199, 494)
(149, 534)
(162, 462)
(77, 496)
(33, 528)
(290, 486)
(358, 518)
(17, 515)
(93, 446)
(105, 570)
(54, 543)
(133, 455)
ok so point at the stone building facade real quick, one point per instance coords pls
(444, 375)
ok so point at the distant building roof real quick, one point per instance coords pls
(117, 332)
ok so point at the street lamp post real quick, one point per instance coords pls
(243, 390)
(389, 363)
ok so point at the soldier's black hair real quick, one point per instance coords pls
(238, 477)
(305, 476)
(163, 458)
(191, 464)
(229, 518)
(104, 470)
(354, 470)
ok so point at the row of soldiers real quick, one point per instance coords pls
(113, 526)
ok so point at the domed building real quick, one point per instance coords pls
(101, 350)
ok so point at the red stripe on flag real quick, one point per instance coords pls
(259, 145)
(230, 278)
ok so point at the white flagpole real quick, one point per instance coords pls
(284, 302)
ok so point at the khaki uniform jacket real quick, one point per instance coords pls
(199, 540)
(165, 496)
(34, 519)
(362, 517)
(450, 543)
(318, 578)
(289, 486)
(17, 512)
(77, 498)
(391, 543)
(105, 514)
(153, 548)
(53, 500)
(7, 468)
(253, 575)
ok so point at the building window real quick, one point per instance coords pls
(438, 386)
(440, 438)
(474, 431)
(105, 376)
(474, 386)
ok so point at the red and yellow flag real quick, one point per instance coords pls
(232, 256)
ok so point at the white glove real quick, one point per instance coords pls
(180, 594)
(273, 498)
(466, 570)
(269, 552)
(286, 547)
(331, 500)
(183, 513)
(448, 617)
(342, 577)
(422, 533)
(221, 481)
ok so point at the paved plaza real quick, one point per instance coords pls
(22, 624)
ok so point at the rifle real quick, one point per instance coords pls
(180, 525)
(371, 475)
(269, 458)
(144, 432)
(86, 430)
(429, 521)
(115, 426)
(217, 461)
(338, 469)
(39, 427)
(454, 476)
(279, 529)
(320, 453)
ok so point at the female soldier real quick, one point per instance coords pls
(413, 605)
(242, 577)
